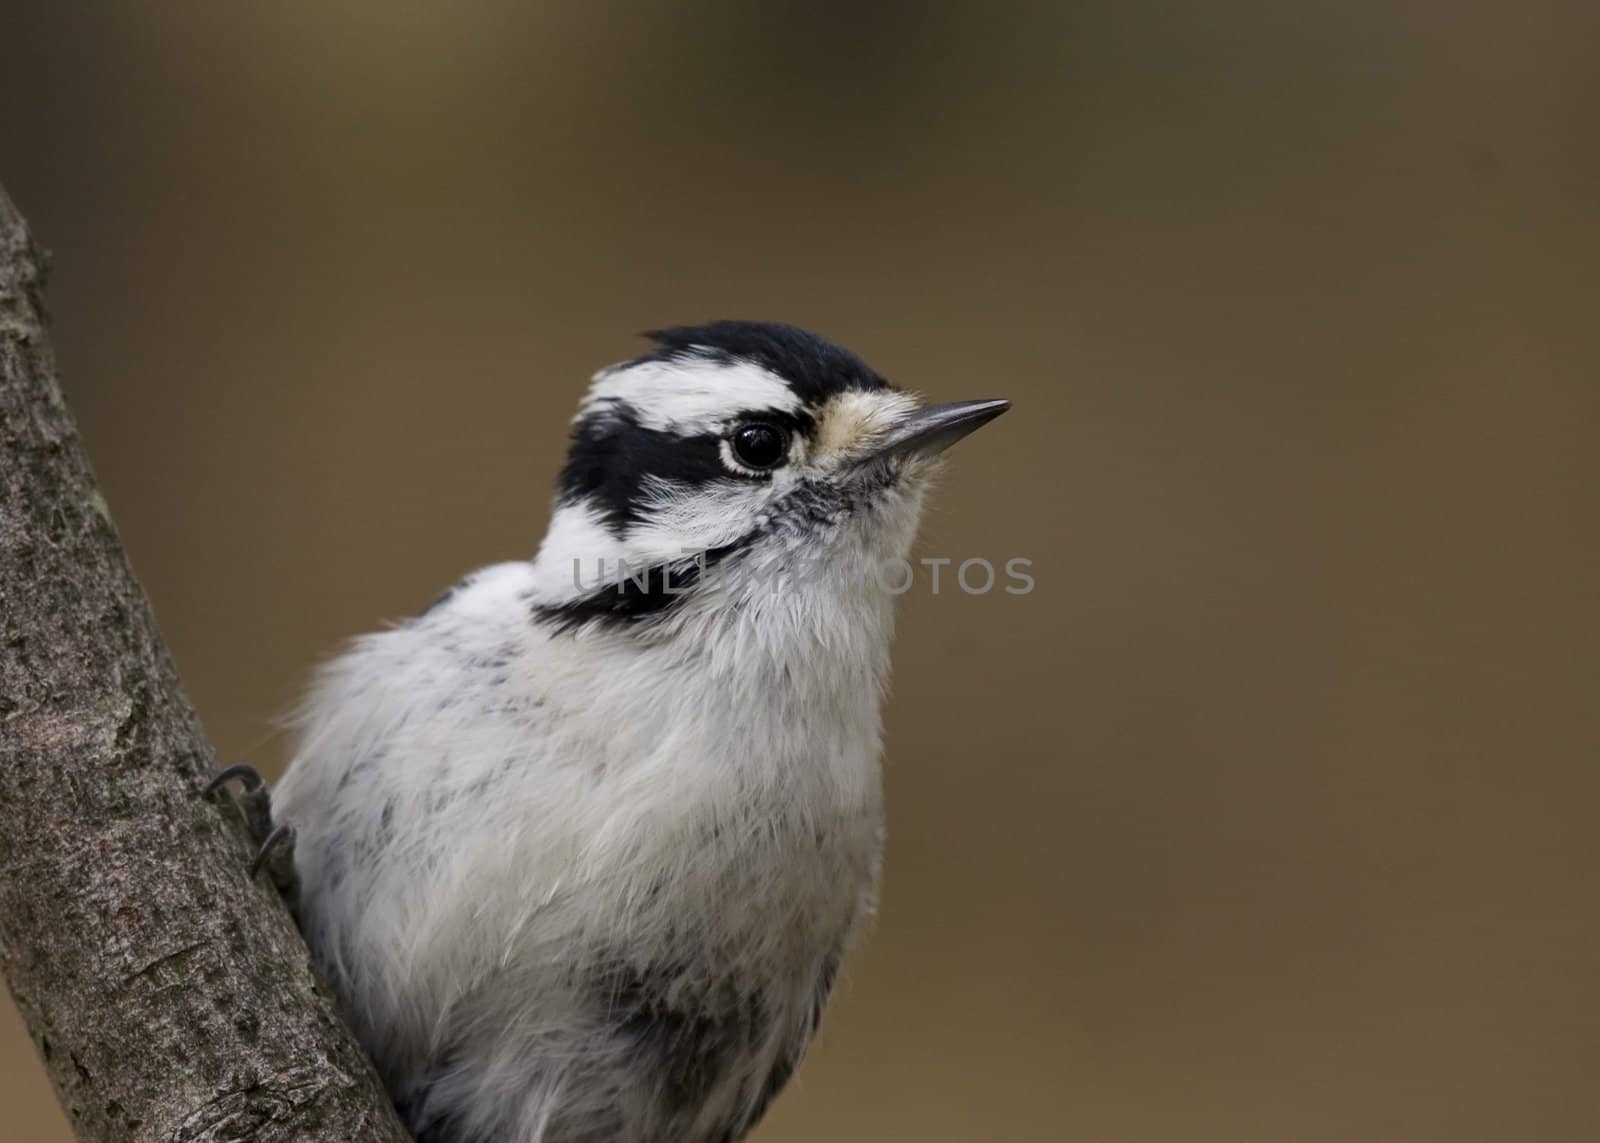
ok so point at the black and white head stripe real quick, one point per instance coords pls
(614, 458)
(662, 418)
(687, 457)
(813, 367)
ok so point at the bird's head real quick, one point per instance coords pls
(734, 448)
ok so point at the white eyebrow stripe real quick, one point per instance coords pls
(689, 396)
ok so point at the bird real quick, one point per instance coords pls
(580, 847)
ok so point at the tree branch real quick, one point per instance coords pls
(170, 998)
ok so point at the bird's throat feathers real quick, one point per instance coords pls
(814, 578)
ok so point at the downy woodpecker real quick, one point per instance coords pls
(580, 847)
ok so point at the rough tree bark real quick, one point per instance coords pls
(170, 998)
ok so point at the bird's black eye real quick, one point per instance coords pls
(760, 446)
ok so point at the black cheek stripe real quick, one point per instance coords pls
(612, 454)
(638, 596)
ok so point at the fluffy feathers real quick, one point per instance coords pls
(591, 879)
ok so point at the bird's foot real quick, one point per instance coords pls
(275, 842)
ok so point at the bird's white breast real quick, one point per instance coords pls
(483, 804)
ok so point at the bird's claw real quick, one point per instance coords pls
(254, 799)
(275, 852)
(276, 856)
(245, 773)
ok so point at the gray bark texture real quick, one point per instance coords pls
(169, 996)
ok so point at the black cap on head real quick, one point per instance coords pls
(814, 367)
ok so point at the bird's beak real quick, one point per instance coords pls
(930, 431)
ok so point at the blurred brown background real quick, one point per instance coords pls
(1270, 814)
